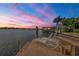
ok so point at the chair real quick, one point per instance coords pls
(50, 42)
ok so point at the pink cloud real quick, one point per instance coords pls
(20, 17)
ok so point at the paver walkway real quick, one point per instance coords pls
(37, 49)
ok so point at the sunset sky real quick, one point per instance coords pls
(28, 15)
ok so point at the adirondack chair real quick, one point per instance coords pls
(50, 42)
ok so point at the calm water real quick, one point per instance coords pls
(11, 40)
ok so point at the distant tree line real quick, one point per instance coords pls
(18, 28)
(11, 28)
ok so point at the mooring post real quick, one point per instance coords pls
(37, 31)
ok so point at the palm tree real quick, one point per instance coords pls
(69, 24)
(63, 22)
(77, 22)
(73, 24)
(57, 20)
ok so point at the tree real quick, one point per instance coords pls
(77, 23)
(57, 20)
